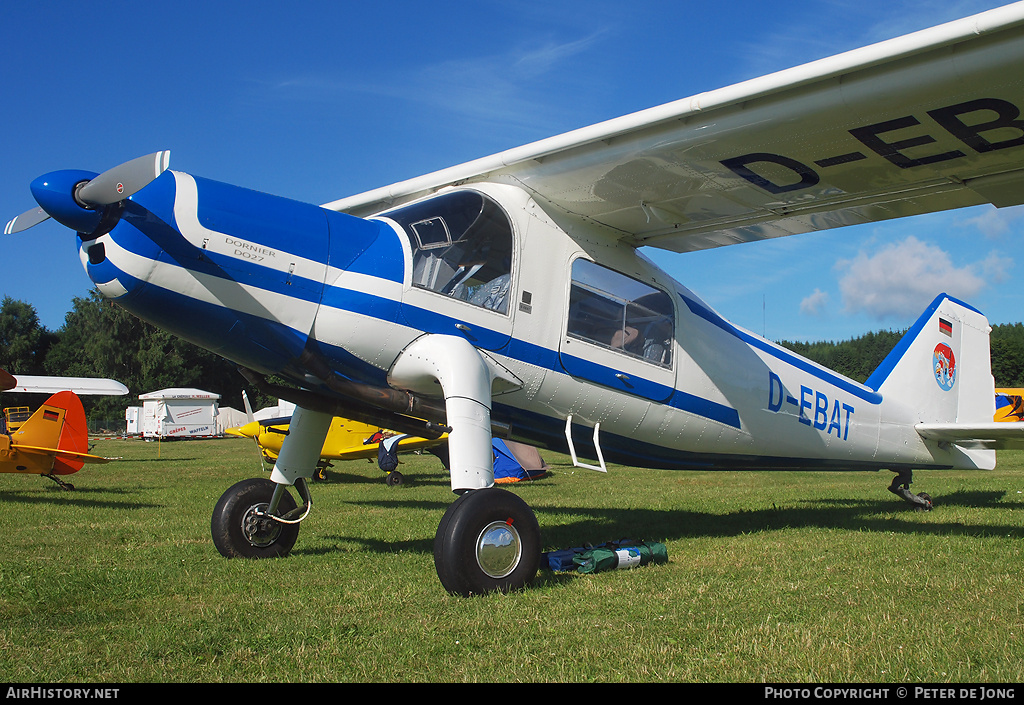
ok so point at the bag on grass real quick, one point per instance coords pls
(614, 555)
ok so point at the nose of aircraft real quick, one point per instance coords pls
(85, 201)
(249, 430)
(55, 194)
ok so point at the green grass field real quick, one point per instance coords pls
(779, 577)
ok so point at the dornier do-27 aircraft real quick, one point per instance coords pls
(509, 295)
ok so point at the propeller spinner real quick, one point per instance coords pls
(77, 198)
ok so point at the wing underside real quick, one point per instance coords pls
(921, 123)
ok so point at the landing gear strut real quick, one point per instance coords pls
(901, 488)
(489, 539)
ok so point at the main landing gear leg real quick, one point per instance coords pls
(901, 488)
(257, 518)
(489, 539)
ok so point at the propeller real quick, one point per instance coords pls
(250, 417)
(122, 181)
(26, 220)
(90, 192)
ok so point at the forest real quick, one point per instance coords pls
(99, 339)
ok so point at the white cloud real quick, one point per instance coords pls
(814, 305)
(995, 222)
(901, 279)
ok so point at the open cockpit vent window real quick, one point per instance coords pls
(461, 247)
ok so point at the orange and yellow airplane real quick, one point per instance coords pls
(1009, 405)
(54, 441)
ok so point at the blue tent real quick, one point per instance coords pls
(514, 462)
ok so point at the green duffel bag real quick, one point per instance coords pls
(620, 557)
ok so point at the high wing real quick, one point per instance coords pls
(996, 435)
(52, 385)
(925, 122)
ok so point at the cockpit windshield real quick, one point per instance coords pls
(461, 247)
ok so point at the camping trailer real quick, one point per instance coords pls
(179, 413)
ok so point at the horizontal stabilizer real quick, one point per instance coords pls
(993, 435)
(68, 454)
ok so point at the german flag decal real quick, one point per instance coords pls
(50, 415)
(945, 327)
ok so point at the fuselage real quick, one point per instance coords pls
(583, 326)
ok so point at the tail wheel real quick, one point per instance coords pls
(242, 529)
(487, 541)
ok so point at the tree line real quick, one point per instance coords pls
(857, 358)
(99, 339)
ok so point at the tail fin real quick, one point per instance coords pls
(58, 426)
(941, 367)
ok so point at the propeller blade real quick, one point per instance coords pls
(248, 408)
(122, 181)
(26, 220)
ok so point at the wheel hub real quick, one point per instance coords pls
(258, 527)
(498, 549)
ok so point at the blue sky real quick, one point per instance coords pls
(320, 100)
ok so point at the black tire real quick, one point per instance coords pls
(394, 479)
(487, 541)
(237, 533)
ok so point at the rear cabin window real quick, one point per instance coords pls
(617, 312)
(461, 247)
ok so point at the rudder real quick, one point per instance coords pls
(58, 424)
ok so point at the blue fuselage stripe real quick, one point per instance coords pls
(849, 386)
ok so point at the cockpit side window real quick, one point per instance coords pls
(461, 247)
(617, 312)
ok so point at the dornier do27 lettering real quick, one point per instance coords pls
(249, 250)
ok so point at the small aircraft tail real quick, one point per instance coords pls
(942, 369)
(58, 427)
(941, 366)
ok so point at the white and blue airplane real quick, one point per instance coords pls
(509, 295)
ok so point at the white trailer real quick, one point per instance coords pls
(179, 413)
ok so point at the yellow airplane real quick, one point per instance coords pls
(1009, 405)
(54, 441)
(346, 440)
